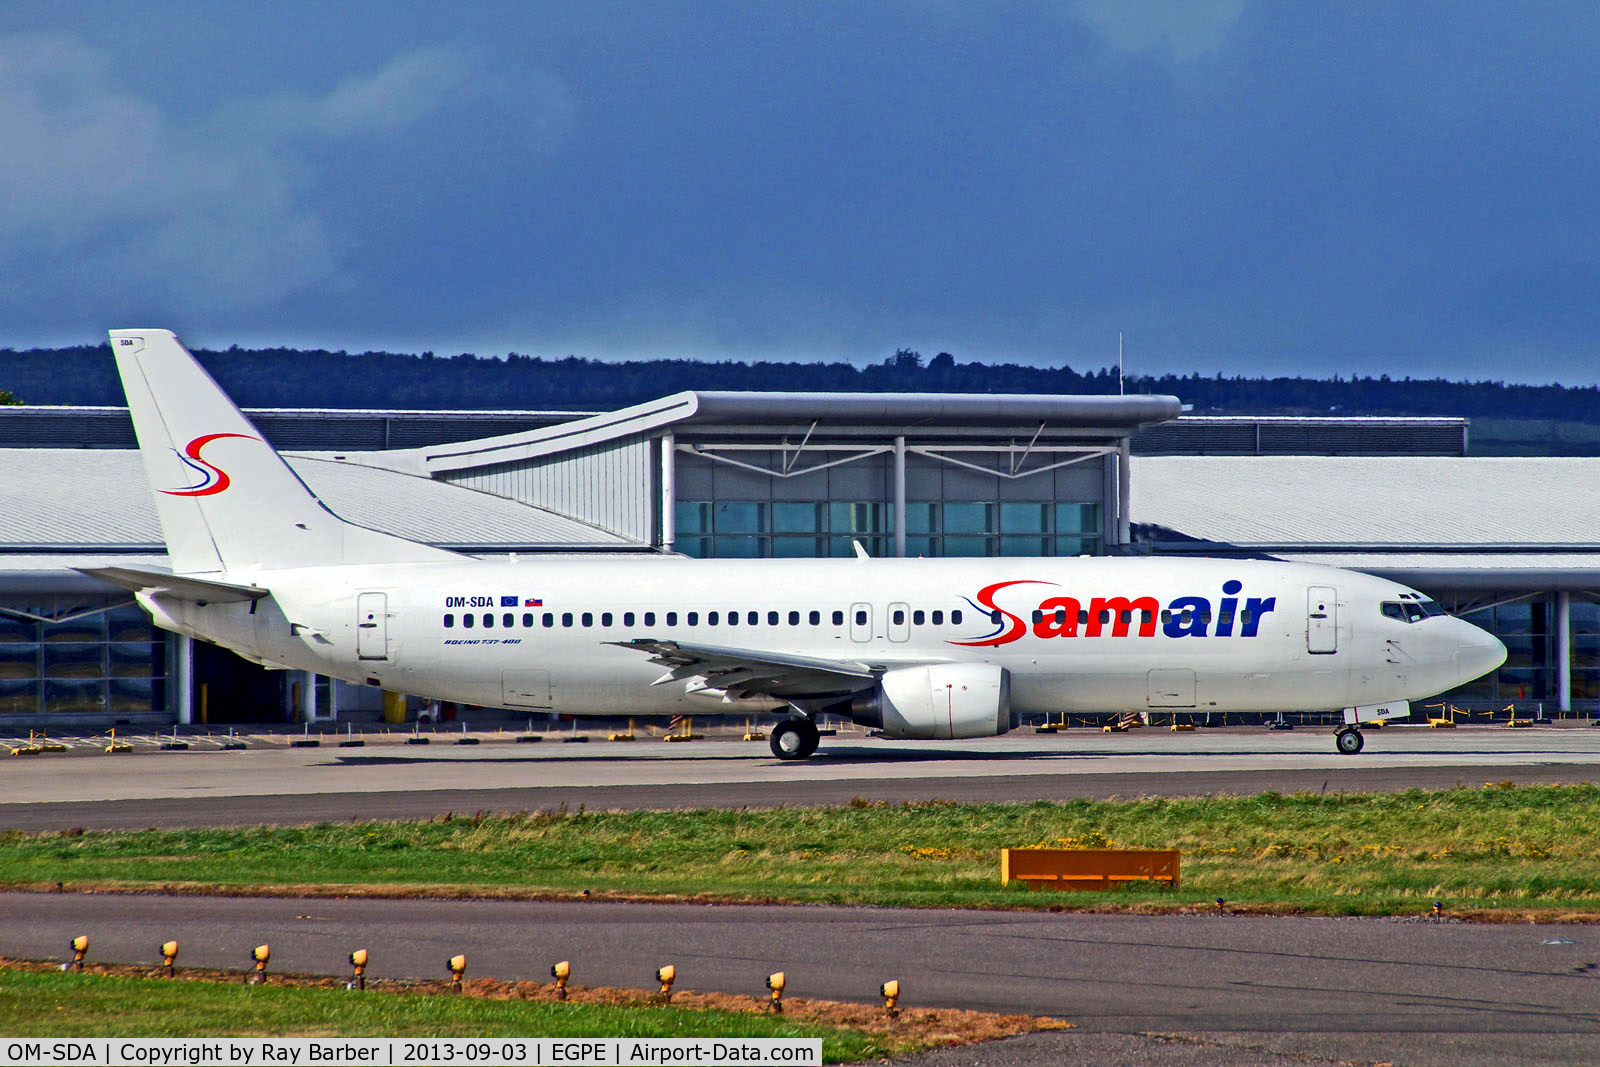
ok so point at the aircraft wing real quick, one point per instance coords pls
(741, 672)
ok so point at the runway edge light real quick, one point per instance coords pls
(890, 991)
(261, 954)
(358, 960)
(80, 947)
(666, 975)
(169, 957)
(775, 982)
(458, 967)
(561, 972)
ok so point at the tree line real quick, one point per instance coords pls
(286, 377)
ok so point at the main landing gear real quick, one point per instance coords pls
(1348, 740)
(794, 738)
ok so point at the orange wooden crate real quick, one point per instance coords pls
(1087, 868)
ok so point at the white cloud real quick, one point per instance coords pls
(1184, 28)
(97, 180)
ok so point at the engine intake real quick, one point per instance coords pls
(950, 700)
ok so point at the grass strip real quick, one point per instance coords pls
(37, 1000)
(1495, 851)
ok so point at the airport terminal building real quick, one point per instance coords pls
(1505, 542)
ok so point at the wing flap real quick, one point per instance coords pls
(747, 671)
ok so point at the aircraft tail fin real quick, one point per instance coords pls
(227, 501)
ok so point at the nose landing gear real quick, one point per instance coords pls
(1349, 740)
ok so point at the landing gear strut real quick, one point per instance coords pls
(1349, 740)
(794, 738)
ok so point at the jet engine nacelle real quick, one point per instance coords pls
(948, 700)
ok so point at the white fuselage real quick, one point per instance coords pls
(1075, 634)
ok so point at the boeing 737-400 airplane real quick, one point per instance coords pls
(917, 648)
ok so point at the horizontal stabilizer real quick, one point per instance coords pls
(160, 583)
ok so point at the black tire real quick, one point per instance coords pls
(1349, 741)
(794, 739)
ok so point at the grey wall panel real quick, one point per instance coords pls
(610, 486)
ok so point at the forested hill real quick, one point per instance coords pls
(281, 377)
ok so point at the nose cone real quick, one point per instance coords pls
(1478, 653)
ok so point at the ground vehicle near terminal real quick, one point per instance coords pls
(918, 648)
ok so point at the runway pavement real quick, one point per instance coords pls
(274, 783)
(1228, 989)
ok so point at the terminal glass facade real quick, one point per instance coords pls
(1528, 629)
(110, 662)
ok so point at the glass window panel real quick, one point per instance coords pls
(130, 624)
(737, 516)
(691, 517)
(136, 694)
(789, 517)
(77, 631)
(1585, 616)
(793, 546)
(968, 546)
(1023, 546)
(920, 546)
(1077, 546)
(19, 697)
(737, 547)
(698, 547)
(140, 660)
(74, 661)
(19, 661)
(13, 630)
(967, 517)
(74, 695)
(1077, 518)
(1023, 517)
(1586, 685)
(845, 517)
(1514, 618)
(920, 517)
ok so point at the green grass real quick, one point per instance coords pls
(1535, 847)
(50, 1004)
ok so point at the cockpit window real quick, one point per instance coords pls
(1410, 610)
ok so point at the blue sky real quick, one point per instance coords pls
(1240, 186)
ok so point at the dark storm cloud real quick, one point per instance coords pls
(1246, 187)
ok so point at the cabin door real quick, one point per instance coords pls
(1322, 620)
(372, 626)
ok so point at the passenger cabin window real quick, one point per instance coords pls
(627, 618)
(466, 620)
(955, 617)
(488, 621)
(900, 617)
(549, 619)
(605, 618)
(917, 617)
(733, 618)
(794, 618)
(649, 618)
(449, 622)
(838, 618)
(508, 620)
(566, 618)
(588, 618)
(753, 618)
(861, 618)
(772, 618)
(527, 620)
(938, 618)
(672, 618)
(816, 618)
(693, 618)
(712, 617)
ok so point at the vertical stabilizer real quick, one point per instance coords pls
(226, 499)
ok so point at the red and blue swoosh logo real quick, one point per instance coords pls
(1011, 627)
(213, 479)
